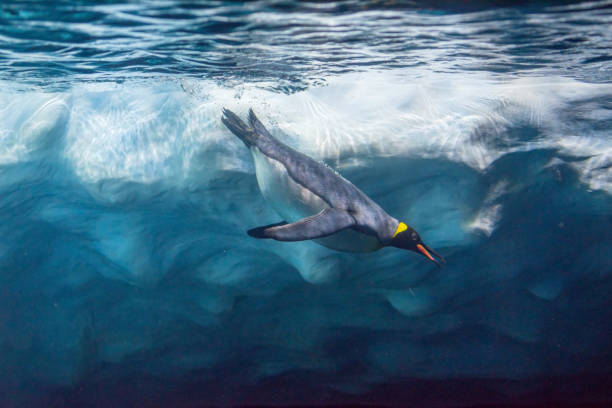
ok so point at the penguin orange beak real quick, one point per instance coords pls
(425, 250)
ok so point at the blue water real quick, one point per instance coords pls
(126, 275)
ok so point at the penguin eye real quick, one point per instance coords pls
(414, 236)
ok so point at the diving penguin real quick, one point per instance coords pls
(316, 202)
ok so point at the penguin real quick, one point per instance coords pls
(315, 201)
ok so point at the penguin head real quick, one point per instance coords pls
(406, 237)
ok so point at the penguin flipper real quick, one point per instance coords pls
(259, 231)
(327, 222)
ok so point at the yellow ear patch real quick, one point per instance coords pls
(401, 227)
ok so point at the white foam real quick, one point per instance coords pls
(489, 215)
(30, 123)
(172, 131)
(596, 168)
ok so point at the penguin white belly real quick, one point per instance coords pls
(293, 202)
(288, 198)
(349, 240)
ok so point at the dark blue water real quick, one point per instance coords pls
(126, 275)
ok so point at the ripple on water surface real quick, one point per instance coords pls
(294, 44)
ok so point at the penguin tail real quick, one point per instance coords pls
(244, 132)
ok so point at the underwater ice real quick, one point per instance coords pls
(124, 259)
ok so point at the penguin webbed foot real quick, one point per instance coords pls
(260, 232)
